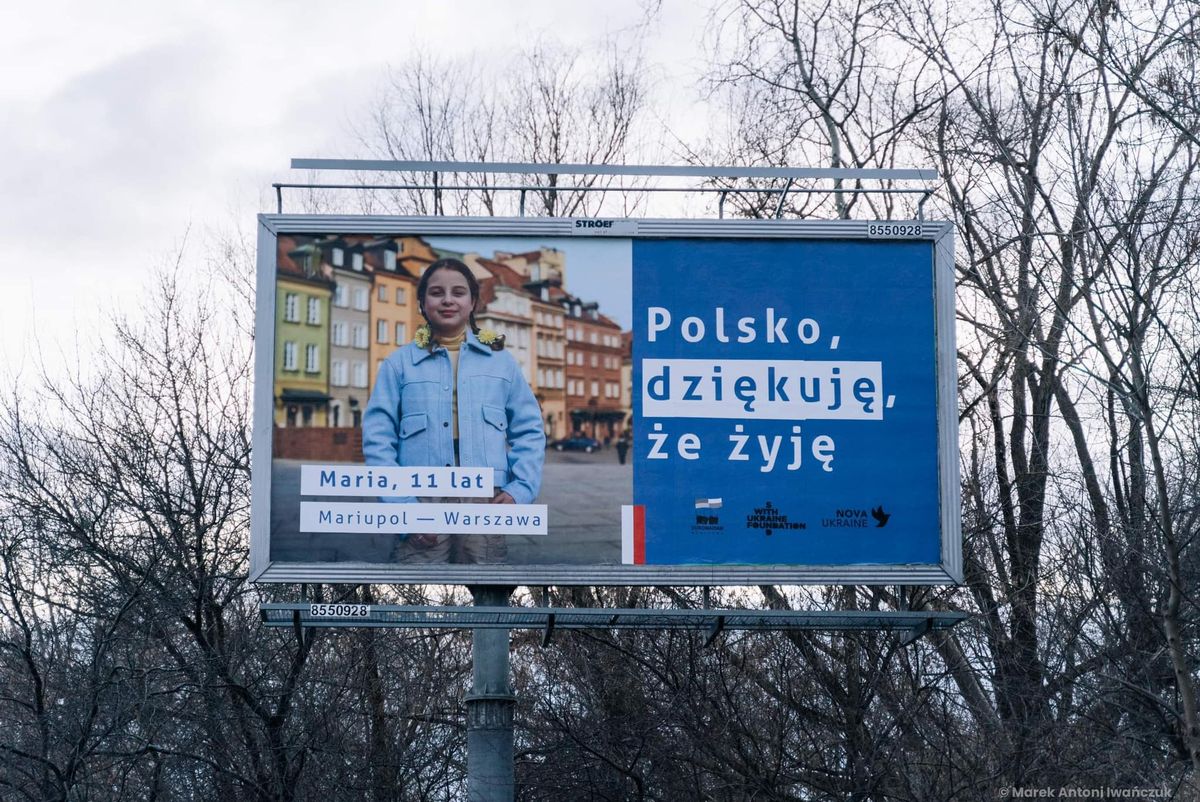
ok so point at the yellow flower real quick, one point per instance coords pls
(487, 336)
(423, 336)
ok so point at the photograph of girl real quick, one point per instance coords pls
(455, 396)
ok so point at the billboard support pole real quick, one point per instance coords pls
(490, 707)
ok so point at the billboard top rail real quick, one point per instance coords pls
(677, 170)
(727, 180)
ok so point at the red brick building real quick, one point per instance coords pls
(594, 356)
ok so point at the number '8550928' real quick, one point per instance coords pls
(893, 230)
(339, 610)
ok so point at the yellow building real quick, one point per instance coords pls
(302, 307)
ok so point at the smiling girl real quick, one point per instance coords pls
(450, 399)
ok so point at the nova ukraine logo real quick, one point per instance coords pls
(848, 518)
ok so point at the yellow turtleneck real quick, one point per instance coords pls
(453, 345)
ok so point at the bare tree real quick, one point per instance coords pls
(546, 105)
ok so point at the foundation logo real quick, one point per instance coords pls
(706, 519)
(770, 519)
(854, 518)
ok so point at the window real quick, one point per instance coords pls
(289, 356)
(401, 333)
(400, 295)
(340, 333)
(595, 360)
(359, 377)
(356, 262)
(541, 377)
(337, 373)
(361, 302)
(341, 296)
(360, 336)
(389, 261)
(595, 389)
(291, 308)
(314, 311)
(339, 257)
(383, 294)
(381, 331)
(312, 359)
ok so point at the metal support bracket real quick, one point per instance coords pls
(915, 633)
(717, 628)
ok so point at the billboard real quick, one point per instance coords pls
(631, 402)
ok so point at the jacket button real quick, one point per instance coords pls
(445, 423)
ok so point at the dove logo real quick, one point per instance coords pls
(881, 517)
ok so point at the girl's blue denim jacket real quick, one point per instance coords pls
(407, 421)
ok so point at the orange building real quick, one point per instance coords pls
(396, 266)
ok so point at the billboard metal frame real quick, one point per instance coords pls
(263, 569)
(911, 624)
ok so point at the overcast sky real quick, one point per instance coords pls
(132, 127)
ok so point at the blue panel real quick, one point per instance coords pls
(874, 498)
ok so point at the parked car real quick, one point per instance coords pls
(577, 443)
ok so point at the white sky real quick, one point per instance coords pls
(132, 127)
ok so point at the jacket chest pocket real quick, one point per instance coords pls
(421, 395)
(414, 439)
(487, 389)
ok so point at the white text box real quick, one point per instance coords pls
(377, 480)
